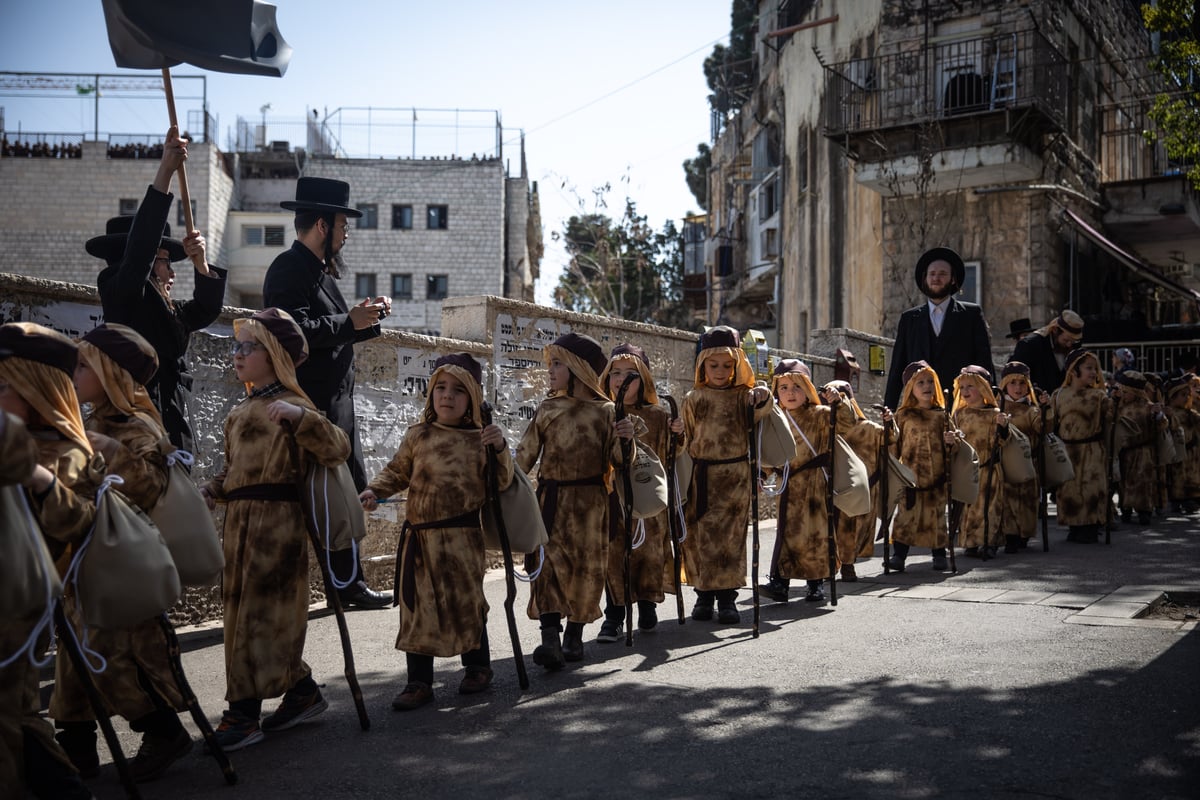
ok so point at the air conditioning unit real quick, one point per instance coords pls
(280, 147)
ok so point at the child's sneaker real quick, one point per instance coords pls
(237, 731)
(294, 709)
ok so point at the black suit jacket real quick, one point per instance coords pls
(964, 341)
(129, 298)
(297, 282)
(1037, 352)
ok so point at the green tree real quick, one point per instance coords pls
(695, 171)
(1176, 111)
(730, 70)
(622, 268)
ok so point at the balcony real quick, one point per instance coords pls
(961, 95)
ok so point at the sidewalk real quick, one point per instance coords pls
(1024, 676)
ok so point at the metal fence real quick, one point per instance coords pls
(1149, 356)
(1019, 70)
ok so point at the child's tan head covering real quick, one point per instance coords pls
(1075, 358)
(795, 371)
(583, 356)
(847, 392)
(124, 363)
(38, 364)
(636, 356)
(911, 372)
(275, 330)
(1017, 372)
(469, 373)
(723, 341)
(981, 379)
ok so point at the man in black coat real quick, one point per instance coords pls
(135, 289)
(303, 282)
(1045, 350)
(948, 333)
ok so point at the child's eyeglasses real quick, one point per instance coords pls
(245, 348)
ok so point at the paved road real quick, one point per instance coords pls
(993, 683)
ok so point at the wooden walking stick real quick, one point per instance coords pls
(956, 508)
(990, 467)
(66, 639)
(830, 508)
(627, 507)
(885, 499)
(754, 593)
(189, 697)
(185, 198)
(1111, 460)
(330, 590)
(510, 583)
(672, 516)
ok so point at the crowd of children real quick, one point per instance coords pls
(577, 443)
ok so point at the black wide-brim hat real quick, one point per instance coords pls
(111, 246)
(322, 194)
(957, 268)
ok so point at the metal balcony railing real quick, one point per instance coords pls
(1014, 71)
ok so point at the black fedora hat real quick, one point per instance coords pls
(1018, 328)
(957, 268)
(322, 194)
(111, 246)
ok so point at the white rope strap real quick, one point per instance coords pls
(46, 620)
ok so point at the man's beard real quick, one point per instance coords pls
(334, 263)
(945, 292)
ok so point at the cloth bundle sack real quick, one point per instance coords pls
(851, 480)
(28, 578)
(186, 524)
(1056, 461)
(522, 517)
(900, 477)
(1016, 457)
(964, 473)
(777, 443)
(330, 498)
(1168, 451)
(126, 573)
(648, 480)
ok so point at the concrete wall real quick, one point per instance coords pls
(392, 375)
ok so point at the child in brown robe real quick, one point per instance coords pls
(443, 463)
(922, 440)
(573, 439)
(1019, 516)
(718, 508)
(36, 365)
(115, 363)
(1080, 412)
(648, 562)
(1185, 422)
(265, 585)
(984, 426)
(1139, 422)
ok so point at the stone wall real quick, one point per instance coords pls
(392, 375)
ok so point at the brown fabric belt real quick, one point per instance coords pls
(547, 492)
(700, 467)
(407, 548)
(910, 493)
(1098, 437)
(285, 492)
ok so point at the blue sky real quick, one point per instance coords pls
(607, 93)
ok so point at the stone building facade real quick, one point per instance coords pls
(436, 228)
(1010, 132)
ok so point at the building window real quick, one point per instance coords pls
(364, 284)
(370, 216)
(437, 287)
(402, 218)
(437, 218)
(768, 198)
(127, 206)
(972, 288)
(179, 220)
(802, 160)
(402, 286)
(262, 235)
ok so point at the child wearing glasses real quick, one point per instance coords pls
(265, 583)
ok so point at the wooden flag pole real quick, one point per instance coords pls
(184, 197)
